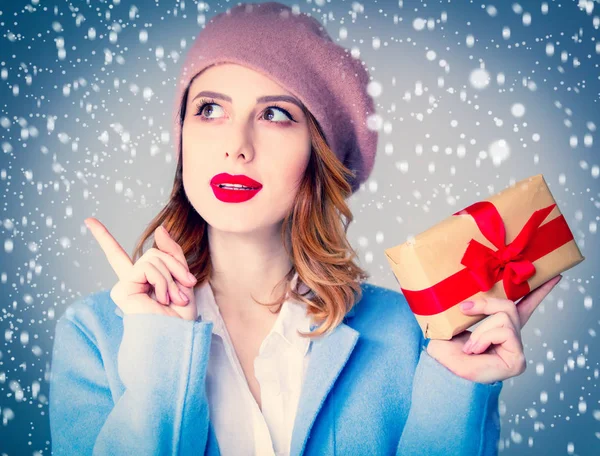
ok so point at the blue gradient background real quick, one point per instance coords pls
(78, 138)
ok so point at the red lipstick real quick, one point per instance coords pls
(234, 188)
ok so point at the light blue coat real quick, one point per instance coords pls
(135, 385)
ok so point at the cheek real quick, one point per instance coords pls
(195, 163)
(289, 171)
(193, 145)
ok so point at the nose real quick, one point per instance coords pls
(242, 142)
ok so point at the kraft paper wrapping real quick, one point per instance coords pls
(436, 254)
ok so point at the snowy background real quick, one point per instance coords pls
(471, 98)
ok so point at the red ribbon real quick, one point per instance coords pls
(512, 263)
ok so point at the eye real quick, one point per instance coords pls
(270, 111)
(203, 104)
(276, 108)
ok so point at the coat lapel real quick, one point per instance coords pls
(327, 358)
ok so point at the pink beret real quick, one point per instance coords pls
(294, 50)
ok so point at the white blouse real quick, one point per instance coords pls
(279, 368)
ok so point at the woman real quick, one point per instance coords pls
(203, 346)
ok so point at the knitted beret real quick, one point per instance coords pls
(294, 50)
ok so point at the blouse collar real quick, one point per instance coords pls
(292, 317)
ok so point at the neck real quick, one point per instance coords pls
(247, 265)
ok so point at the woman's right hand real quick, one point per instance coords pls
(162, 271)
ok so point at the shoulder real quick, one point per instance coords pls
(382, 311)
(377, 300)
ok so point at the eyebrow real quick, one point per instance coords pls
(263, 99)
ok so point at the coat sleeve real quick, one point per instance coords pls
(162, 363)
(449, 414)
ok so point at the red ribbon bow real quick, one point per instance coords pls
(512, 263)
(508, 262)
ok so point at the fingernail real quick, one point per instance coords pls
(165, 230)
(183, 296)
(467, 305)
(467, 345)
(192, 277)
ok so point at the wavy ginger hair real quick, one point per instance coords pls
(320, 251)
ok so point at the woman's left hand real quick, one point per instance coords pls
(494, 350)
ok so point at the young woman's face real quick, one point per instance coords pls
(229, 131)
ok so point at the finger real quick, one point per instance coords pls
(506, 337)
(177, 270)
(489, 306)
(168, 245)
(168, 309)
(172, 287)
(156, 279)
(498, 320)
(116, 255)
(527, 305)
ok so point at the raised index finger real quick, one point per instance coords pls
(116, 255)
(166, 243)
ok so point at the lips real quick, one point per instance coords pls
(234, 195)
(241, 179)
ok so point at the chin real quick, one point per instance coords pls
(228, 217)
(244, 223)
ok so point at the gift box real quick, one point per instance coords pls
(502, 247)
